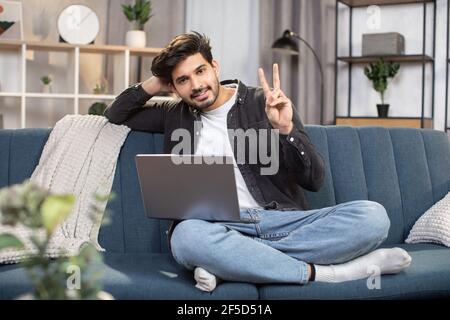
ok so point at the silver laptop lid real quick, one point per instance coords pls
(188, 187)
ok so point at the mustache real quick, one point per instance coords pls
(197, 91)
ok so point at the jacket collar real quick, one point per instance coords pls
(242, 89)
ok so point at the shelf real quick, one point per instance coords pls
(424, 60)
(399, 58)
(50, 95)
(10, 94)
(408, 122)
(365, 3)
(65, 47)
(71, 96)
(145, 51)
(10, 45)
(374, 117)
(75, 52)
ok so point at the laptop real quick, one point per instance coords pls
(180, 187)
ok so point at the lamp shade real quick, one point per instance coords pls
(286, 44)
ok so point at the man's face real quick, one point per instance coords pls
(196, 81)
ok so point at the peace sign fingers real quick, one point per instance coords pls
(278, 107)
(276, 77)
(264, 84)
(275, 93)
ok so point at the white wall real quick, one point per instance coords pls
(233, 28)
(404, 92)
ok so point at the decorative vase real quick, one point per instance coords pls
(46, 88)
(383, 110)
(136, 39)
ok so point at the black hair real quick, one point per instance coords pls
(180, 48)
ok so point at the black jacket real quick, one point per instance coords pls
(300, 165)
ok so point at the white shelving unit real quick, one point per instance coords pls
(22, 47)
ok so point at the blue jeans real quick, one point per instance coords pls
(275, 246)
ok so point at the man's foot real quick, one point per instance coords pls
(205, 280)
(388, 261)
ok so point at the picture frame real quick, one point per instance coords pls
(11, 20)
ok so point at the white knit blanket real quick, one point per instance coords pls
(434, 225)
(79, 158)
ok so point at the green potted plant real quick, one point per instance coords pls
(138, 14)
(46, 82)
(97, 108)
(38, 210)
(378, 73)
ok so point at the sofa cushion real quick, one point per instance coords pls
(137, 276)
(434, 225)
(158, 276)
(427, 277)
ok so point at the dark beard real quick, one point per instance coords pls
(205, 104)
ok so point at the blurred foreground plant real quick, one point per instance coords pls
(62, 278)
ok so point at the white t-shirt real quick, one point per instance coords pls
(213, 141)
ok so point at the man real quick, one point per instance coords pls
(278, 239)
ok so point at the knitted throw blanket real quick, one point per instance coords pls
(79, 158)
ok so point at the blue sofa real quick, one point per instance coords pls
(406, 170)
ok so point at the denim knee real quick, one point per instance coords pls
(376, 222)
(186, 239)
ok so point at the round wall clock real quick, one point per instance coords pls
(78, 24)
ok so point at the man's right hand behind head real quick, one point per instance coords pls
(155, 85)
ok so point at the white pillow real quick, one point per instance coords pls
(433, 225)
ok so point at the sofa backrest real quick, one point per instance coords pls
(406, 170)
(130, 230)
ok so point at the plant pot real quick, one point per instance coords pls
(383, 110)
(46, 88)
(136, 39)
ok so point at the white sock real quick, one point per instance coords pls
(205, 281)
(388, 261)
